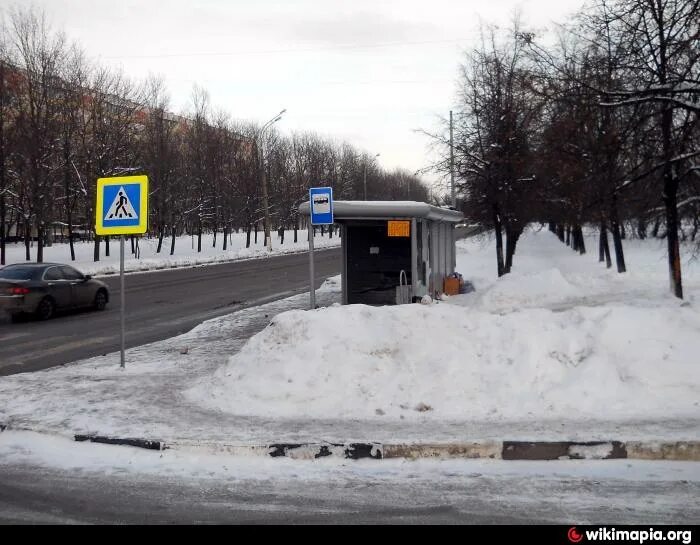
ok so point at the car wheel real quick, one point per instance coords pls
(46, 309)
(100, 300)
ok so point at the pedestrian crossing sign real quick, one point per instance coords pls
(122, 205)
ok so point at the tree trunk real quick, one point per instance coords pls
(70, 236)
(296, 228)
(107, 246)
(512, 236)
(133, 249)
(27, 240)
(214, 243)
(199, 237)
(172, 242)
(256, 232)
(674, 254)
(617, 239)
(560, 232)
(161, 232)
(642, 229)
(671, 204)
(40, 244)
(281, 235)
(2, 229)
(580, 243)
(499, 243)
(568, 235)
(606, 247)
(247, 236)
(225, 238)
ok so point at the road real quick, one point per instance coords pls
(224, 490)
(159, 305)
(162, 304)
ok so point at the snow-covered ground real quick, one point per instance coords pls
(560, 349)
(560, 337)
(185, 254)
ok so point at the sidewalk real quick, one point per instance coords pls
(144, 405)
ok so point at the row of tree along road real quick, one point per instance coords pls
(599, 126)
(65, 122)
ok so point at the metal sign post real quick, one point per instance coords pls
(122, 296)
(312, 292)
(321, 210)
(122, 209)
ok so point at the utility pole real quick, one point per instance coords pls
(452, 167)
(365, 174)
(266, 207)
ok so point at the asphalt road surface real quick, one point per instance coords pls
(351, 494)
(159, 305)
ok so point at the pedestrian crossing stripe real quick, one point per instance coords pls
(122, 205)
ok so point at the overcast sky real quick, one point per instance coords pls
(368, 72)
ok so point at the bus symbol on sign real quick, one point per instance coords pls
(322, 204)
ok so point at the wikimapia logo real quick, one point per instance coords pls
(573, 535)
(635, 536)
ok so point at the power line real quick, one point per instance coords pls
(286, 50)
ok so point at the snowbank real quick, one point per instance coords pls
(560, 338)
(186, 253)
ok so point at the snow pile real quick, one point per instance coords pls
(529, 289)
(532, 345)
(440, 361)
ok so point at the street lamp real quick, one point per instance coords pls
(365, 174)
(268, 237)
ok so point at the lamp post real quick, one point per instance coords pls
(266, 208)
(365, 174)
(452, 167)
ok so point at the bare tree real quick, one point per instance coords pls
(662, 69)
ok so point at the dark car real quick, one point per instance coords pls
(43, 288)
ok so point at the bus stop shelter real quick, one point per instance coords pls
(394, 251)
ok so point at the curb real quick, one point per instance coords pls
(494, 450)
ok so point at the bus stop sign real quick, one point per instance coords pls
(321, 205)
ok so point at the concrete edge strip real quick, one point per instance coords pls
(495, 450)
(129, 441)
(296, 451)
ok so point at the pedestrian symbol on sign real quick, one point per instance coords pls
(121, 207)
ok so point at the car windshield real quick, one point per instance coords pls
(19, 273)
